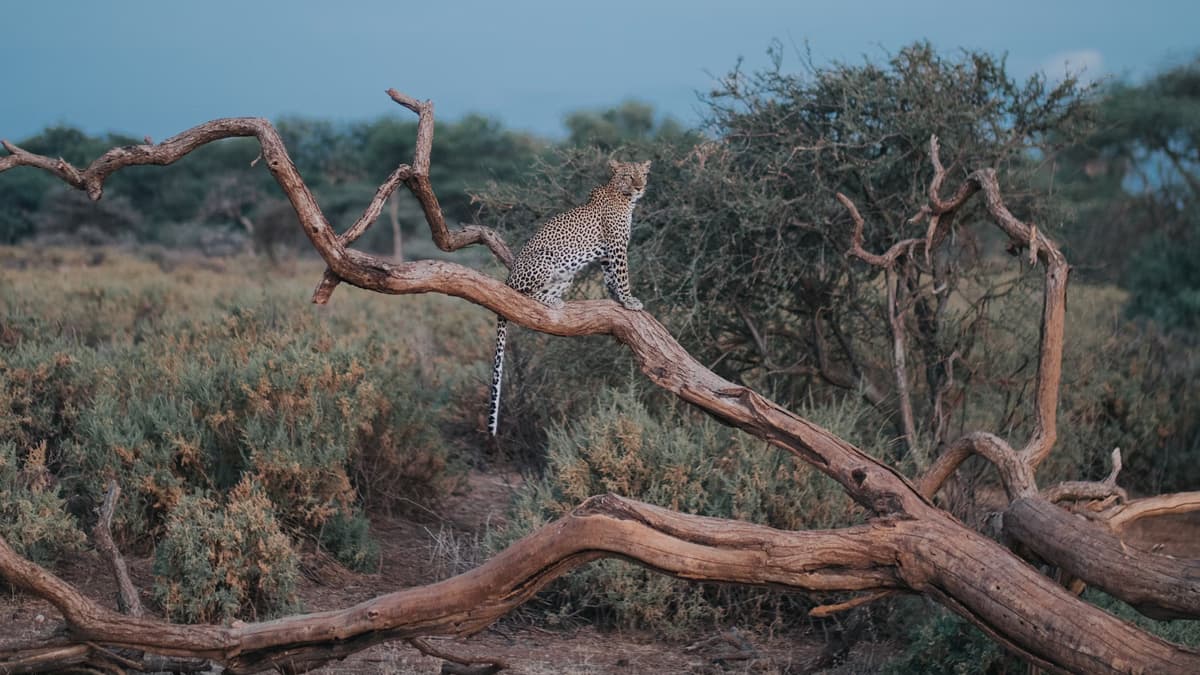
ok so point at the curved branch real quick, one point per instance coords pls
(416, 178)
(860, 558)
(888, 259)
(1121, 516)
(1106, 490)
(1015, 475)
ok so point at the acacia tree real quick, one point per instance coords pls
(907, 545)
(735, 244)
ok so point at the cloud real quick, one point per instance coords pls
(1085, 64)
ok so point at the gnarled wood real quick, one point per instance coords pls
(416, 177)
(1158, 586)
(692, 547)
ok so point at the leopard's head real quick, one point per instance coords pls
(629, 178)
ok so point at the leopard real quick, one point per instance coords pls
(566, 243)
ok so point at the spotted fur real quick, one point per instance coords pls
(597, 230)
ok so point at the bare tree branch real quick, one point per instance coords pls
(888, 259)
(1121, 516)
(1016, 476)
(1158, 586)
(131, 602)
(900, 358)
(855, 559)
(416, 177)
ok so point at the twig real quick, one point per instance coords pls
(1106, 490)
(823, 611)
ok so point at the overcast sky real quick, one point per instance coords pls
(150, 67)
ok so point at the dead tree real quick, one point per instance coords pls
(908, 545)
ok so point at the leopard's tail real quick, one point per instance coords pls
(497, 374)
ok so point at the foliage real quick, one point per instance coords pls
(938, 642)
(217, 561)
(631, 443)
(1186, 633)
(628, 123)
(33, 517)
(1164, 277)
(184, 386)
(1136, 180)
(1128, 386)
(343, 163)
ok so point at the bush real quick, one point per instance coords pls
(1129, 386)
(43, 393)
(184, 386)
(652, 449)
(218, 561)
(1185, 633)
(33, 518)
(1164, 280)
(938, 642)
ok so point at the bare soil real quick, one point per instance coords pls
(414, 551)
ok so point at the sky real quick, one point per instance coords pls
(156, 67)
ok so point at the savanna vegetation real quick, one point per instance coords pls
(162, 336)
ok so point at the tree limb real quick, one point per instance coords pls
(692, 547)
(102, 536)
(1158, 586)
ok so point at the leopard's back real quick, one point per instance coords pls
(564, 245)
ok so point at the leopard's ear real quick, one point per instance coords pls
(613, 166)
(645, 166)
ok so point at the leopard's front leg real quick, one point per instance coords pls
(616, 279)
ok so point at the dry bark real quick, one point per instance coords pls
(1159, 586)
(131, 602)
(909, 544)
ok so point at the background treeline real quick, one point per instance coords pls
(223, 406)
(1123, 172)
(217, 201)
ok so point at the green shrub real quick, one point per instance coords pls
(938, 642)
(349, 537)
(217, 561)
(43, 394)
(1186, 633)
(652, 449)
(1164, 279)
(1130, 386)
(33, 518)
(194, 382)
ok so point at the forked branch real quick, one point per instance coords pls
(416, 177)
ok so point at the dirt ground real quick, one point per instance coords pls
(415, 552)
